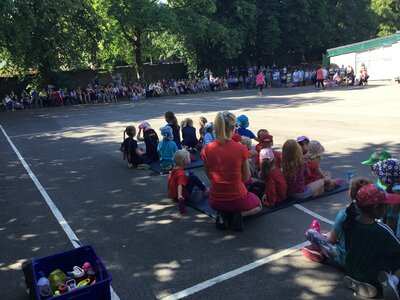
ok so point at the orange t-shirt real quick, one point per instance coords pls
(224, 162)
(177, 177)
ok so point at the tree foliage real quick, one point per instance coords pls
(388, 13)
(51, 35)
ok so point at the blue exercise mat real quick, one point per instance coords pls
(195, 163)
(201, 203)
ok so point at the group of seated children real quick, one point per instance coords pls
(296, 172)
(360, 243)
(163, 150)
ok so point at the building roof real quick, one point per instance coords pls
(365, 45)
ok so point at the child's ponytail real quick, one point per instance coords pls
(265, 169)
(351, 215)
(351, 210)
(170, 118)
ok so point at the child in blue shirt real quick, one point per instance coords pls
(189, 134)
(166, 148)
(209, 134)
(243, 123)
(331, 246)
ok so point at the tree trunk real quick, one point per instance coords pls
(137, 44)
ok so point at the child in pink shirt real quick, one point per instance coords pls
(295, 170)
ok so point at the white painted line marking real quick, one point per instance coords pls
(313, 214)
(56, 212)
(208, 283)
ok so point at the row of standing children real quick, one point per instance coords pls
(359, 242)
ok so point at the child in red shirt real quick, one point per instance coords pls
(275, 183)
(181, 184)
(259, 147)
(313, 157)
(267, 141)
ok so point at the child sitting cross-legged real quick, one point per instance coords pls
(189, 134)
(166, 148)
(181, 184)
(150, 139)
(330, 247)
(372, 250)
(243, 123)
(295, 170)
(275, 183)
(129, 147)
(313, 157)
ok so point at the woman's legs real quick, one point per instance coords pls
(254, 201)
(231, 213)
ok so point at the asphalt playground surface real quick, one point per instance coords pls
(151, 250)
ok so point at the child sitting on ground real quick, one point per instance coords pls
(372, 250)
(275, 184)
(259, 147)
(267, 141)
(129, 147)
(252, 153)
(181, 184)
(303, 142)
(388, 172)
(202, 123)
(150, 139)
(330, 247)
(189, 134)
(209, 135)
(243, 123)
(295, 170)
(166, 148)
(313, 157)
(173, 123)
(376, 157)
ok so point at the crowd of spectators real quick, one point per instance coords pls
(235, 78)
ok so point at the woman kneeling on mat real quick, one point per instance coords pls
(226, 164)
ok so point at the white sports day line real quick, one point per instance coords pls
(313, 214)
(208, 283)
(56, 212)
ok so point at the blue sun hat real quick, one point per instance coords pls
(166, 133)
(388, 171)
(242, 121)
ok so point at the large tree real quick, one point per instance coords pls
(136, 21)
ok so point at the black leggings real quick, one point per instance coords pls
(320, 82)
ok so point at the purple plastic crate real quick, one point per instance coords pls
(65, 261)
